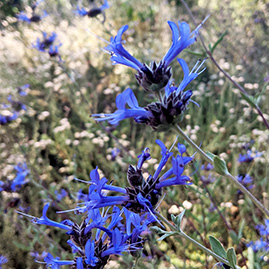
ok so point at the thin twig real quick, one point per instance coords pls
(208, 52)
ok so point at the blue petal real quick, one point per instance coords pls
(46, 221)
(89, 251)
(116, 48)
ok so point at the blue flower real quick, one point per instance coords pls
(1, 185)
(139, 223)
(3, 260)
(93, 12)
(55, 263)
(46, 221)
(21, 90)
(114, 153)
(34, 18)
(142, 194)
(136, 112)
(118, 245)
(177, 170)
(20, 179)
(4, 119)
(54, 50)
(263, 243)
(207, 167)
(245, 180)
(160, 115)
(119, 54)
(248, 157)
(47, 44)
(81, 11)
(80, 263)
(182, 38)
(60, 195)
(89, 251)
(156, 76)
(93, 248)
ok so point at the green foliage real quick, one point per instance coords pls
(65, 142)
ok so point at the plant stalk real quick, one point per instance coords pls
(228, 175)
(188, 238)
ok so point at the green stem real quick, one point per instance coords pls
(180, 132)
(228, 175)
(249, 194)
(197, 244)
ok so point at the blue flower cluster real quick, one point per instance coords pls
(112, 231)
(263, 243)
(156, 76)
(246, 181)
(100, 235)
(93, 12)
(20, 179)
(161, 114)
(34, 17)
(169, 110)
(142, 195)
(11, 111)
(248, 157)
(3, 260)
(48, 44)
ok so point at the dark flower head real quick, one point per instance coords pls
(160, 115)
(93, 241)
(142, 195)
(15, 104)
(34, 17)
(93, 12)
(47, 44)
(156, 76)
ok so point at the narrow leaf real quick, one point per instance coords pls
(217, 247)
(157, 230)
(179, 219)
(218, 41)
(167, 234)
(249, 99)
(173, 218)
(234, 237)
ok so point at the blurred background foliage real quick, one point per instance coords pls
(59, 141)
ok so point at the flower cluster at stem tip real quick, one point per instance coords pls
(173, 101)
(48, 44)
(93, 12)
(34, 17)
(20, 179)
(102, 232)
(142, 195)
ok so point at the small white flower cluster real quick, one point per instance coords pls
(65, 125)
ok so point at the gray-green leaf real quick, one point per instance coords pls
(231, 257)
(220, 166)
(217, 247)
